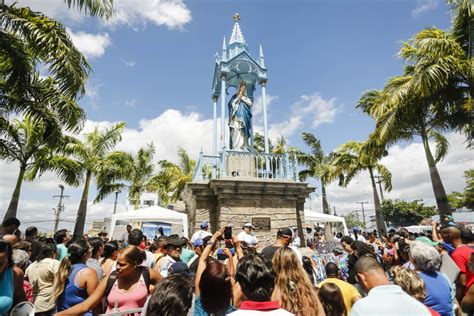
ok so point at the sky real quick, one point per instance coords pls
(153, 64)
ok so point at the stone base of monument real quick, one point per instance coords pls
(241, 166)
(268, 204)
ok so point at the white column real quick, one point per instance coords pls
(222, 112)
(214, 126)
(263, 83)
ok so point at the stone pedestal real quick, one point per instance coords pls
(241, 166)
(267, 203)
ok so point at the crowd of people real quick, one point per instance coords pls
(222, 273)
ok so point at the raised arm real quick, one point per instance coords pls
(203, 258)
(238, 248)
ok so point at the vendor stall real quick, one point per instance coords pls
(149, 219)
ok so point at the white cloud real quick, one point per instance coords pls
(410, 177)
(310, 110)
(173, 14)
(131, 103)
(423, 6)
(257, 110)
(93, 93)
(316, 108)
(91, 45)
(137, 13)
(128, 63)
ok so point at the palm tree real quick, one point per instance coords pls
(24, 141)
(30, 39)
(136, 170)
(406, 122)
(317, 166)
(352, 158)
(172, 178)
(96, 158)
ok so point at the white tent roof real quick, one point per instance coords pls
(152, 214)
(325, 218)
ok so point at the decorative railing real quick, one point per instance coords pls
(231, 163)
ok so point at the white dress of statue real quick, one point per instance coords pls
(240, 119)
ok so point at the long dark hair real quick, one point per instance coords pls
(109, 249)
(363, 249)
(331, 298)
(308, 267)
(215, 286)
(76, 251)
(5, 247)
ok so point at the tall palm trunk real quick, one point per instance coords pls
(327, 226)
(82, 211)
(137, 197)
(12, 208)
(438, 188)
(325, 198)
(379, 217)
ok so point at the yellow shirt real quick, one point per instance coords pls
(348, 291)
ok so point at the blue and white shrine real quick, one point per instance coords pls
(238, 78)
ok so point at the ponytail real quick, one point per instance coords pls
(61, 278)
(76, 251)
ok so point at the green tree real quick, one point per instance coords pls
(172, 178)
(456, 199)
(29, 40)
(135, 170)
(95, 157)
(406, 123)
(459, 200)
(353, 221)
(354, 157)
(404, 213)
(24, 142)
(316, 165)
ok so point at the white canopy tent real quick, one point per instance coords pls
(311, 216)
(178, 221)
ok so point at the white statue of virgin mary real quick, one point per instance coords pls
(240, 119)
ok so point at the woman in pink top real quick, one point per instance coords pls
(124, 289)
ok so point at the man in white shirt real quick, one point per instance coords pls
(246, 236)
(173, 247)
(202, 233)
(383, 298)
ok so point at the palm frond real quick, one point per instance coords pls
(442, 145)
(100, 8)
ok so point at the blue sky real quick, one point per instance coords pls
(153, 66)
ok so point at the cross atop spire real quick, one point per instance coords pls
(237, 36)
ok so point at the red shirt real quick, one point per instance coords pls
(259, 306)
(461, 257)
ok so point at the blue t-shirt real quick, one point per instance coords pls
(438, 292)
(199, 309)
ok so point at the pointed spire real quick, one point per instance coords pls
(262, 60)
(224, 50)
(237, 36)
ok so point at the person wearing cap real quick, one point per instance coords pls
(202, 233)
(180, 268)
(246, 236)
(173, 248)
(427, 262)
(284, 238)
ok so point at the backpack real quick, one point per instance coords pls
(145, 272)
